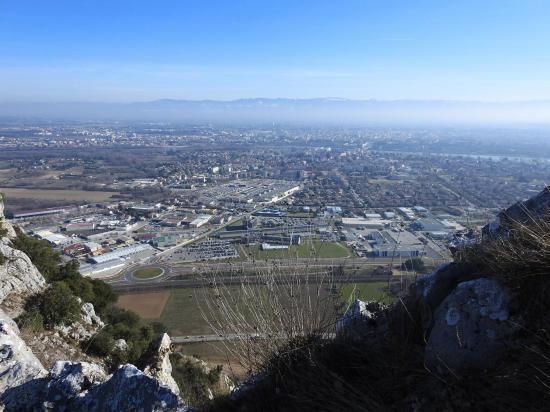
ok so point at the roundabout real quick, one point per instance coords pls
(147, 273)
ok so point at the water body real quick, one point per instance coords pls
(473, 156)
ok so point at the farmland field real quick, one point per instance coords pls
(146, 305)
(60, 195)
(179, 309)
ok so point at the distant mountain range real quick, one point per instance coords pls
(321, 110)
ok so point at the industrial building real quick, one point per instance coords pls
(200, 220)
(389, 243)
(125, 253)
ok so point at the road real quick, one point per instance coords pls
(184, 340)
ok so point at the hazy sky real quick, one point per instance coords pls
(121, 50)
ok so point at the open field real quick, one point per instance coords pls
(146, 305)
(147, 273)
(60, 195)
(179, 309)
(306, 249)
(366, 291)
(214, 353)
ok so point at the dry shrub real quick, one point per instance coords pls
(259, 313)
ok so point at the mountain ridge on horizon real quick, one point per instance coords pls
(321, 110)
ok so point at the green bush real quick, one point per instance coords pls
(58, 305)
(2, 259)
(101, 344)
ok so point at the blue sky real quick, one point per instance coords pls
(122, 50)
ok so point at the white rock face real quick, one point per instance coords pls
(18, 364)
(121, 345)
(470, 328)
(68, 380)
(84, 330)
(3, 223)
(129, 389)
(88, 315)
(160, 367)
(18, 274)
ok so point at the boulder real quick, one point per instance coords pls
(158, 364)
(18, 275)
(470, 328)
(433, 289)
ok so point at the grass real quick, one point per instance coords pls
(366, 291)
(147, 273)
(182, 315)
(306, 249)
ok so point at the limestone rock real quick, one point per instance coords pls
(433, 289)
(9, 321)
(18, 365)
(159, 365)
(4, 224)
(18, 275)
(68, 380)
(89, 316)
(129, 389)
(470, 328)
(121, 345)
(84, 330)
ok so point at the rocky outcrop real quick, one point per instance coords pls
(81, 386)
(18, 365)
(68, 380)
(470, 328)
(520, 212)
(88, 315)
(129, 389)
(81, 331)
(159, 365)
(17, 274)
(4, 224)
(85, 387)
